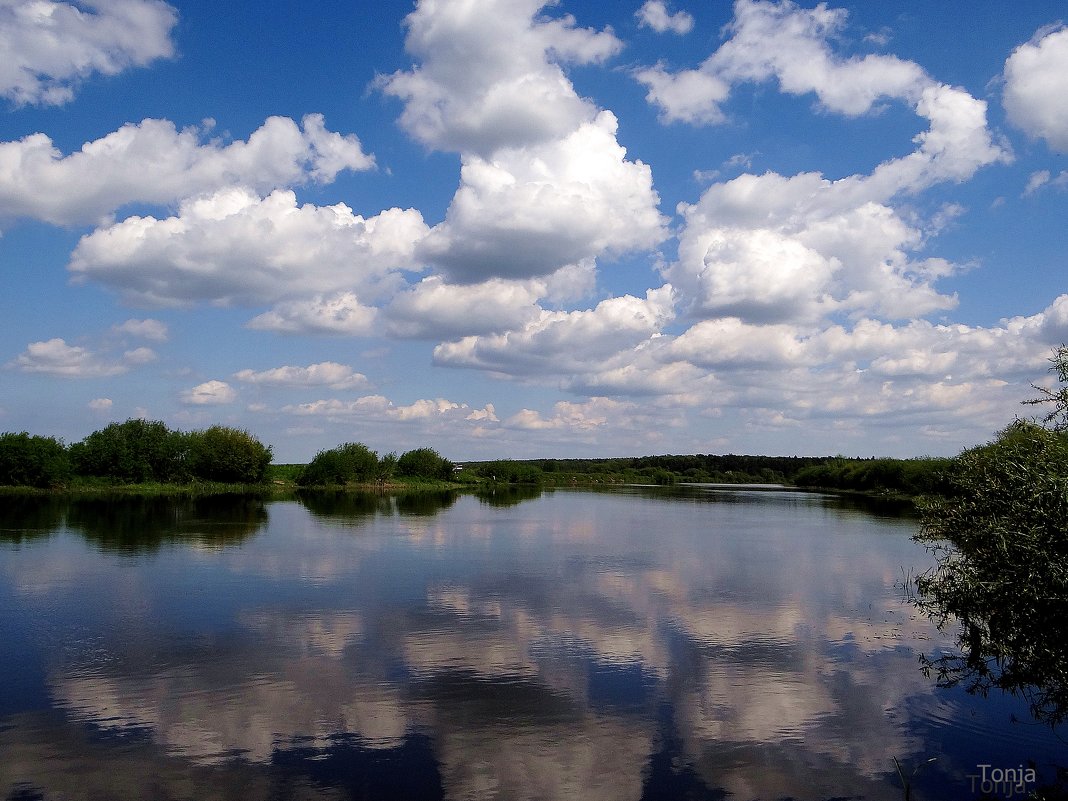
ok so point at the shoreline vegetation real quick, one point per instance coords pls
(145, 457)
(141, 457)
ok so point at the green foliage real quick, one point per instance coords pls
(32, 461)
(424, 463)
(729, 468)
(351, 462)
(229, 455)
(284, 472)
(906, 476)
(136, 451)
(1001, 535)
(506, 471)
(387, 466)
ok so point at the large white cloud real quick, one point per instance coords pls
(153, 162)
(1036, 87)
(773, 248)
(564, 342)
(233, 247)
(530, 211)
(49, 47)
(489, 74)
(544, 181)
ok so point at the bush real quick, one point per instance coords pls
(352, 461)
(424, 463)
(32, 461)
(229, 455)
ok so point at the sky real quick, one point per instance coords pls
(507, 229)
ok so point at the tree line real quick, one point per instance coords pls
(911, 477)
(148, 452)
(135, 452)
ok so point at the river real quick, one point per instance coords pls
(700, 643)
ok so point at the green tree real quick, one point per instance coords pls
(132, 452)
(351, 462)
(228, 455)
(424, 463)
(33, 461)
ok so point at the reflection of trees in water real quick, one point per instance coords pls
(425, 504)
(509, 495)
(1016, 642)
(353, 508)
(135, 523)
(24, 518)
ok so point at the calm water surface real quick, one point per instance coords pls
(635, 644)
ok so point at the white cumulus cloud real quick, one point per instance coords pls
(1036, 87)
(49, 47)
(55, 357)
(233, 247)
(436, 309)
(489, 74)
(772, 248)
(210, 393)
(153, 162)
(654, 14)
(565, 342)
(531, 211)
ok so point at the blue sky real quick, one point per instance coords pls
(505, 229)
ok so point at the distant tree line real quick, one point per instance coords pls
(909, 476)
(905, 476)
(135, 452)
(355, 463)
(142, 451)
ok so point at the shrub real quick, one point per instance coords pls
(352, 461)
(424, 463)
(229, 455)
(32, 461)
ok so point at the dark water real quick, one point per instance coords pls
(702, 644)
